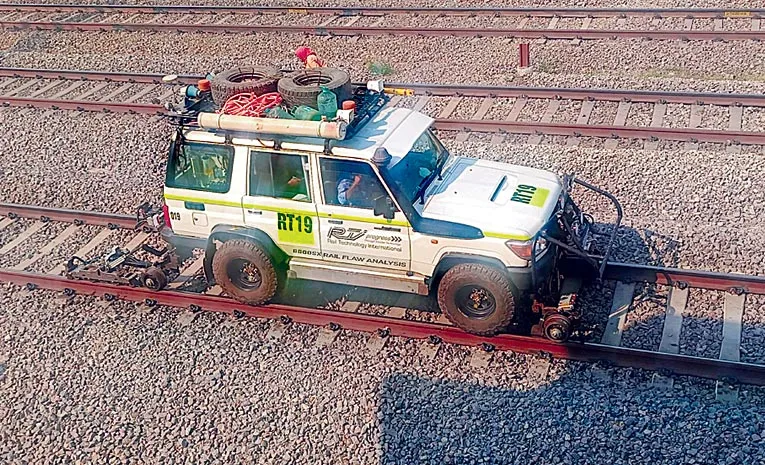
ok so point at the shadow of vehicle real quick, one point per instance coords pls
(579, 414)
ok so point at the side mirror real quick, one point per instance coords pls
(384, 206)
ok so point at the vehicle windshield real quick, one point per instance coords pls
(414, 173)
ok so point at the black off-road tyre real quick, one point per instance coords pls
(469, 278)
(302, 87)
(256, 79)
(229, 265)
(154, 278)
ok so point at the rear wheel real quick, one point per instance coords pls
(245, 272)
(477, 298)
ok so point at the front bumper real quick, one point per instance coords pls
(571, 230)
(526, 278)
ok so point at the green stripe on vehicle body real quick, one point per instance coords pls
(272, 208)
(223, 203)
(337, 216)
(514, 237)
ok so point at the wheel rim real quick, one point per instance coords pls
(557, 328)
(150, 283)
(247, 77)
(475, 302)
(244, 274)
(310, 78)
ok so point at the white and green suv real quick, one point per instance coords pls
(385, 207)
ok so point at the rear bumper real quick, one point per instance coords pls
(182, 242)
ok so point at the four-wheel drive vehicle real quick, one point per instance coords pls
(384, 206)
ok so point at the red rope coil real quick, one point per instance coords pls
(249, 104)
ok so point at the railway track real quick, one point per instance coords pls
(541, 23)
(568, 114)
(20, 224)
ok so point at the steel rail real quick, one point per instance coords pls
(439, 90)
(69, 216)
(732, 282)
(394, 31)
(377, 11)
(619, 356)
(82, 105)
(513, 127)
(92, 75)
(633, 132)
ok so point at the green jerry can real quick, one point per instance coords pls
(327, 103)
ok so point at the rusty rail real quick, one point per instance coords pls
(439, 90)
(512, 127)
(700, 279)
(619, 356)
(82, 105)
(13, 210)
(395, 31)
(377, 11)
(614, 132)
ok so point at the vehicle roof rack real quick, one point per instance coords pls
(369, 100)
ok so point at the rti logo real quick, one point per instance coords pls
(349, 234)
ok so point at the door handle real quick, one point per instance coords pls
(335, 221)
(198, 206)
(255, 212)
(388, 228)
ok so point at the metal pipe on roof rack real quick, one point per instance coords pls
(323, 129)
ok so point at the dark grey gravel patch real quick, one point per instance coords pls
(753, 332)
(702, 324)
(645, 320)
(219, 378)
(594, 301)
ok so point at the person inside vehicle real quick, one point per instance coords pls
(309, 58)
(288, 177)
(353, 191)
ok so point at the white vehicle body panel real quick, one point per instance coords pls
(506, 202)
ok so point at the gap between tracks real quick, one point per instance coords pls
(376, 11)
(393, 31)
(440, 90)
(509, 127)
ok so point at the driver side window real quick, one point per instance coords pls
(349, 183)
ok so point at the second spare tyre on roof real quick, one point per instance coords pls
(256, 79)
(302, 87)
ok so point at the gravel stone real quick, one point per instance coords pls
(30, 246)
(118, 380)
(645, 320)
(82, 161)
(702, 324)
(753, 332)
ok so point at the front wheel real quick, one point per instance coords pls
(245, 271)
(477, 298)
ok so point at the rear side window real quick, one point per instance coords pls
(279, 175)
(202, 167)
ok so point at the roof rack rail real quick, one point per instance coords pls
(369, 100)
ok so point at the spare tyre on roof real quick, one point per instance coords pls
(256, 79)
(302, 87)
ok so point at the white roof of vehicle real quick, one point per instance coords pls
(395, 129)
